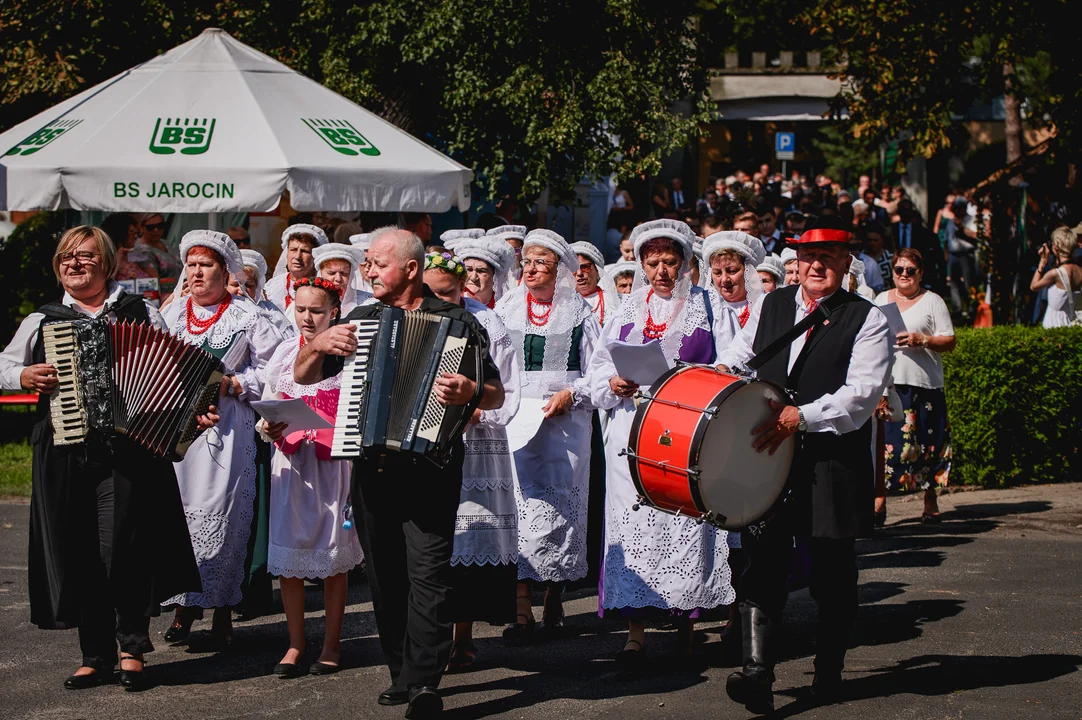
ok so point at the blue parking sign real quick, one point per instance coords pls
(784, 145)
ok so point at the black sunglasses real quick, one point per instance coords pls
(900, 270)
(154, 226)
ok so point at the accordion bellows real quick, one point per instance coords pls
(387, 399)
(130, 379)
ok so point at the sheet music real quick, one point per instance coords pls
(294, 412)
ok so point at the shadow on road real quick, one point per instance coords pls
(934, 675)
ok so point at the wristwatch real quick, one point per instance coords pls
(801, 426)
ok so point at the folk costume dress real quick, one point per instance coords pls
(554, 343)
(484, 561)
(309, 490)
(218, 474)
(654, 561)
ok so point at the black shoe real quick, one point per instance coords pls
(881, 517)
(322, 668)
(133, 680)
(630, 660)
(930, 518)
(287, 671)
(177, 633)
(425, 703)
(520, 634)
(826, 689)
(751, 687)
(393, 696)
(94, 679)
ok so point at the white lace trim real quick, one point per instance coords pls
(485, 559)
(238, 318)
(284, 383)
(319, 563)
(691, 316)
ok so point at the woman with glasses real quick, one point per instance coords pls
(107, 535)
(918, 448)
(218, 474)
(168, 266)
(554, 334)
(656, 565)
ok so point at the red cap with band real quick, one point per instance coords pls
(822, 235)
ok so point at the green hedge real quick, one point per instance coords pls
(1014, 398)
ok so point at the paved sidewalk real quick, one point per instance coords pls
(979, 617)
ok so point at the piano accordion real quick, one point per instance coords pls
(387, 399)
(130, 379)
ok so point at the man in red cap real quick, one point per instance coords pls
(837, 371)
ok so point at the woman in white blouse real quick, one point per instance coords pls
(918, 448)
(1064, 282)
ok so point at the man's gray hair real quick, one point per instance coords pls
(407, 245)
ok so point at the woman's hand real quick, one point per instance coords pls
(622, 388)
(558, 404)
(883, 409)
(475, 419)
(228, 381)
(911, 339)
(275, 430)
(39, 378)
(1042, 253)
(209, 420)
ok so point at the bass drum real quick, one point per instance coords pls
(691, 450)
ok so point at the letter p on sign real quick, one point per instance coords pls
(784, 145)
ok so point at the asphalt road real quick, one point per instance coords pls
(979, 617)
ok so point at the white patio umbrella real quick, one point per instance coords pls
(215, 126)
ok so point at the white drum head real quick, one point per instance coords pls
(737, 483)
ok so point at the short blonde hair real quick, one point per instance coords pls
(76, 236)
(1064, 240)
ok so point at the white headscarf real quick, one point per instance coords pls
(750, 248)
(604, 282)
(856, 269)
(568, 311)
(508, 232)
(451, 239)
(255, 260)
(685, 316)
(500, 257)
(218, 242)
(773, 265)
(313, 231)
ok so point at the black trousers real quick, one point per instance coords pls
(833, 586)
(407, 529)
(110, 615)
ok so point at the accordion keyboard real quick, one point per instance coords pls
(66, 403)
(346, 442)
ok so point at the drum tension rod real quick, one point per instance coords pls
(664, 466)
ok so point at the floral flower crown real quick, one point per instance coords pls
(445, 261)
(318, 282)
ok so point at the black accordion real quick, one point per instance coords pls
(130, 379)
(387, 399)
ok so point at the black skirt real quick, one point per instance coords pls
(483, 593)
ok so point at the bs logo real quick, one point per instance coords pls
(342, 136)
(43, 137)
(191, 135)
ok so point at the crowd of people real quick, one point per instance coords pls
(538, 495)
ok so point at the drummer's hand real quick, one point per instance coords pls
(621, 387)
(39, 378)
(722, 368)
(275, 430)
(452, 389)
(771, 434)
(338, 340)
(206, 422)
(558, 404)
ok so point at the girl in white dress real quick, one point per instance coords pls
(217, 477)
(1064, 282)
(309, 490)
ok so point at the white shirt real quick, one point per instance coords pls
(677, 198)
(852, 405)
(916, 366)
(770, 242)
(19, 353)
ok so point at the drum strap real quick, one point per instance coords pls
(813, 320)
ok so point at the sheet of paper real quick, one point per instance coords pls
(641, 364)
(293, 412)
(521, 430)
(894, 318)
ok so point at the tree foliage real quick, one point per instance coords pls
(541, 91)
(914, 68)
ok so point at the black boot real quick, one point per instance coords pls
(752, 687)
(832, 640)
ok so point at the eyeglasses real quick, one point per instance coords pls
(541, 264)
(900, 270)
(84, 257)
(154, 226)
